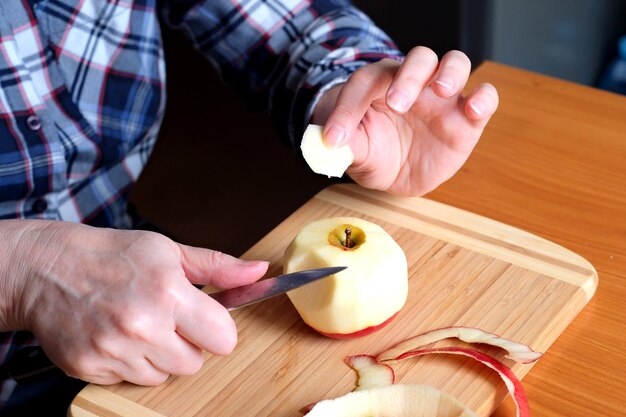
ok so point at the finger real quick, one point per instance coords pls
(102, 379)
(92, 368)
(452, 74)
(481, 103)
(141, 371)
(354, 99)
(205, 266)
(206, 323)
(175, 355)
(128, 367)
(414, 74)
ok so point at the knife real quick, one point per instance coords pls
(266, 288)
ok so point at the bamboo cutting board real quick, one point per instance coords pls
(463, 270)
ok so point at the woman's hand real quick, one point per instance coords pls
(109, 305)
(407, 123)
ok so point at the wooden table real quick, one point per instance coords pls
(551, 162)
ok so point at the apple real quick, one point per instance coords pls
(393, 401)
(359, 300)
(323, 159)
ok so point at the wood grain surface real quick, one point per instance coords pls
(464, 270)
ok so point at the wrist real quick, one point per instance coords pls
(27, 249)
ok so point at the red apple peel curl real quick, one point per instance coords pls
(512, 383)
(516, 351)
(372, 376)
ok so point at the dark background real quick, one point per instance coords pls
(220, 178)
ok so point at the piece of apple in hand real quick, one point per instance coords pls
(359, 300)
(321, 158)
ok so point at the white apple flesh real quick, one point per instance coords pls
(323, 159)
(360, 299)
(393, 401)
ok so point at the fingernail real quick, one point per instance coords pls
(445, 84)
(398, 101)
(477, 107)
(334, 136)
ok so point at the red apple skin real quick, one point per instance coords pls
(358, 333)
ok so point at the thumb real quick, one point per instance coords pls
(205, 266)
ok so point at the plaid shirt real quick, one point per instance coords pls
(82, 91)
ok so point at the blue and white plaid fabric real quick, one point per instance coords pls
(82, 90)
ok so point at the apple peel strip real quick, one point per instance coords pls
(518, 352)
(513, 384)
(370, 373)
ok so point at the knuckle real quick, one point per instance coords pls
(217, 258)
(82, 366)
(389, 62)
(410, 83)
(460, 55)
(165, 293)
(188, 365)
(362, 76)
(153, 239)
(196, 364)
(464, 59)
(456, 65)
(103, 346)
(105, 380)
(344, 114)
(423, 53)
(153, 380)
(135, 325)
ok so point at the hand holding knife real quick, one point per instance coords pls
(31, 363)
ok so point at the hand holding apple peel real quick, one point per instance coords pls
(323, 159)
(362, 298)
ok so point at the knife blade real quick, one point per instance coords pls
(267, 288)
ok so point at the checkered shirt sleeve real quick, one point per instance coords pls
(282, 54)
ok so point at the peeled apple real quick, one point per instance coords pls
(362, 298)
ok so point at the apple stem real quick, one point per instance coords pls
(348, 232)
